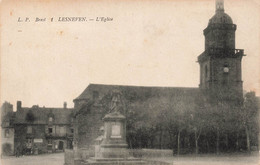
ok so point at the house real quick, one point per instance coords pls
(41, 129)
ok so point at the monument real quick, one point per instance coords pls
(114, 143)
(111, 148)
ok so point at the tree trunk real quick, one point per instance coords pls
(226, 141)
(247, 139)
(197, 136)
(237, 142)
(196, 142)
(171, 141)
(130, 143)
(151, 142)
(207, 145)
(178, 148)
(217, 146)
(188, 140)
(160, 138)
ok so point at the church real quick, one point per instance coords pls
(204, 119)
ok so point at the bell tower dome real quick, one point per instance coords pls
(220, 63)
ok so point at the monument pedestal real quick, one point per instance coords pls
(113, 148)
(114, 143)
(114, 151)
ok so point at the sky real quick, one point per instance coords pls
(148, 43)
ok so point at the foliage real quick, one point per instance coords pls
(151, 118)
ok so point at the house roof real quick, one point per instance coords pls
(41, 115)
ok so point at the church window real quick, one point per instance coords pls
(50, 119)
(206, 72)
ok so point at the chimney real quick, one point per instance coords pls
(65, 105)
(19, 105)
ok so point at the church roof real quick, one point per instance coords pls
(137, 92)
(221, 18)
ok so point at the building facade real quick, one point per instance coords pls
(42, 130)
(7, 129)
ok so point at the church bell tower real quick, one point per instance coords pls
(220, 63)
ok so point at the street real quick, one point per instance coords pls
(58, 159)
(212, 159)
(45, 159)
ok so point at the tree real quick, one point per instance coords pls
(249, 115)
(199, 119)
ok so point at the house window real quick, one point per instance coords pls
(7, 133)
(6, 123)
(29, 129)
(50, 130)
(49, 142)
(62, 130)
(72, 130)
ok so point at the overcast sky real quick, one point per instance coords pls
(148, 43)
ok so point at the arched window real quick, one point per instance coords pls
(50, 119)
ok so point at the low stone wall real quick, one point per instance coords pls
(72, 156)
(69, 157)
(84, 153)
(139, 153)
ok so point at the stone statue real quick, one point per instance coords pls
(116, 102)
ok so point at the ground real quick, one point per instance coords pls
(227, 159)
(45, 159)
(58, 159)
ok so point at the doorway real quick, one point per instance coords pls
(61, 145)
